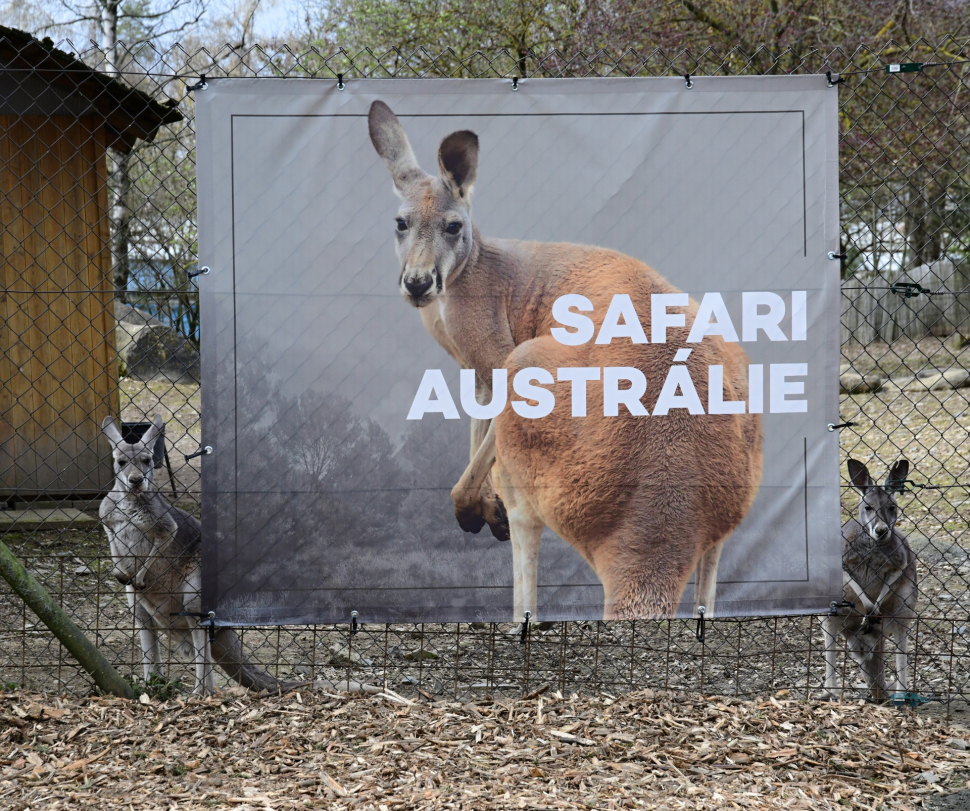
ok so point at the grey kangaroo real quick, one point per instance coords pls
(155, 547)
(879, 579)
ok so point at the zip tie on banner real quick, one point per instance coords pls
(353, 623)
(202, 84)
(840, 256)
(202, 271)
(835, 605)
(204, 452)
(340, 81)
(906, 67)
(687, 82)
(832, 426)
(699, 631)
(830, 82)
(525, 628)
(515, 83)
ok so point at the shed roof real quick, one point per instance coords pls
(38, 79)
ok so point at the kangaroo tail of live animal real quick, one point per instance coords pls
(228, 654)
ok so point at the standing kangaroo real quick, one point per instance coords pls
(645, 499)
(879, 576)
(155, 548)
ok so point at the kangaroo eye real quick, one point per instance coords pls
(402, 224)
(453, 228)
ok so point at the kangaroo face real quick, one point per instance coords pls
(434, 237)
(134, 465)
(434, 224)
(877, 510)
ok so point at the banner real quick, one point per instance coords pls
(473, 350)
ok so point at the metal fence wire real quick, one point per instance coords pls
(99, 316)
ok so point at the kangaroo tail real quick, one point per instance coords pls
(228, 654)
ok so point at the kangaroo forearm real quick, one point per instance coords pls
(887, 586)
(474, 476)
(853, 588)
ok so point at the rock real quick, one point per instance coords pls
(83, 570)
(418, 655)
(151, 350)
(346, 656)
(930, 777)
(958, 743)
(855, 383)
(937, 381)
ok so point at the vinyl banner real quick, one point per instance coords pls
(471, 350)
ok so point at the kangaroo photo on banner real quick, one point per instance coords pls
(480, 350)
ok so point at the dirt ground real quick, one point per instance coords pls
(377, 753)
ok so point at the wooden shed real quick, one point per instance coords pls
(58, 365)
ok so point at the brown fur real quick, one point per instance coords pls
(643, 499)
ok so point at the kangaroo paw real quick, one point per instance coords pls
(470, 518)
(497, 518)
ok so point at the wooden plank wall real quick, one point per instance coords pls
(58, 365)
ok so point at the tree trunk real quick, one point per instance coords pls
(121, 176)
(924, 223)
(61, 625)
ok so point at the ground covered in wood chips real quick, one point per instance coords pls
(383, 752)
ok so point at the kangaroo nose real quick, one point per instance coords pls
(418, 287)
(881, 529)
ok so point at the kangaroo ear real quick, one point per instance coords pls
(859, 475)
(897, 474)
(157, 427)
(458, 162)
(391, 143)
(111, 430)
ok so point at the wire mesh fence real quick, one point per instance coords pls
(100, 318)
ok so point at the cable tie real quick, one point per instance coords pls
(699, 631)
(204, 452)
(353, 623)
(687, 81)
(340, 81)
(202, 271)
(830, 82)
(835, 605)
(525, 628)
(839, 256)
(832, 426)
(202, 84)
(515, 83)
(905, 67)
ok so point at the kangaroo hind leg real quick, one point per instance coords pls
(525, 527)
(705, 580)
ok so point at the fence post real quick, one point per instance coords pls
(61, 625)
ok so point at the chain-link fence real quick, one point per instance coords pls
(100, 317)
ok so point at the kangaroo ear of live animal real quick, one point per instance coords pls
(391, 143)
(859, 475)
(458, 161)
(157, 427)
(111, 430)
(898, 473)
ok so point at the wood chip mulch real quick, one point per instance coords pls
(385, 752)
